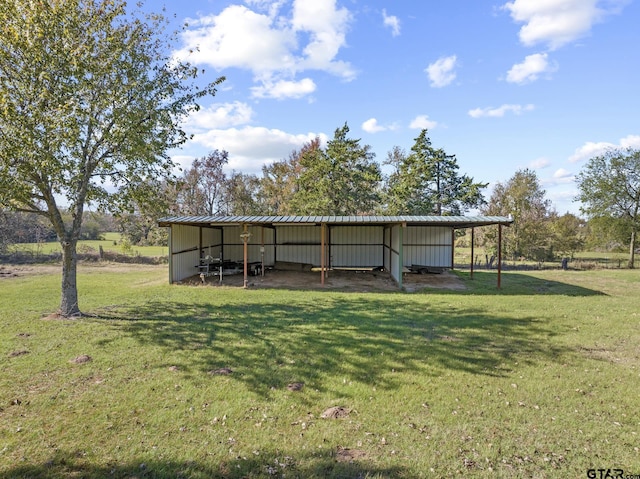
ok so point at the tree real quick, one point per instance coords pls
(211, 179)
(522, 198)
(240, 195)
(279, 181)
(609, 187)
(342, 179)
(427, 182)
(90, 103)
(568, 234)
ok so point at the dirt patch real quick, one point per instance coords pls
(349, 455)
(335, 412)
(221, 371)
(348, 281)
(83, 358)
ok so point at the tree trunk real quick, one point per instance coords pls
(632, 249)
(69, 302)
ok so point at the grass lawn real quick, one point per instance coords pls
(539, 379)
(111, 242)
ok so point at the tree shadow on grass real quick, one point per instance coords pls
(485, 283)
(269, 345)
(266, 465)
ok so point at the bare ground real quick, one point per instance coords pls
(353, 281)
(337, 281)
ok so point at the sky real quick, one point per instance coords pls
(503, 85)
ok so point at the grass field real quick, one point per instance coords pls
(111, 242)
(539, 379)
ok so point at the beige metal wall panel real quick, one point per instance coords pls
(183, 237)
(345, 256)
(353, 246)
(184, 251)
(304, 254)
(298, 234)
(428, 246)
(357, 235)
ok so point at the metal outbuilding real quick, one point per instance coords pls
(394, 243)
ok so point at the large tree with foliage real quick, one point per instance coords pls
(90, 102)
(609, 187)
(341, 179)
(427, 182)
(279, 181)
(522, 198)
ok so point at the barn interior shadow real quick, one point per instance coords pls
(268, 345)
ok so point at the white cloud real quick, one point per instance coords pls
(500, 111)
(592, 149)
(555, 23)
(327, 27)
(530, 69)
(251, 147)
(563, 176)
(220, 115)
(284, 89)
(540, 163)
(422, 122)
(631, 141)
(372, 126)
(441, 73)
(275, 46)
(392, 22)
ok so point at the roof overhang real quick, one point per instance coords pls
(455, 222)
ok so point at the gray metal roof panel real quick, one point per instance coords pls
(458, 221)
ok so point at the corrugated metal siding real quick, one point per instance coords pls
(184, 251)
(234, 248)
(427, 245)
(353, 246)
(299, 244)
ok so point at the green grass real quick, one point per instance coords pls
(111, 242)
(539, 379)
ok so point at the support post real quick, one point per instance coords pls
(401, 253)
(473, 231)
(245, 239)
(453, 249)
(322, 253)
(499, 254)
(262, 252)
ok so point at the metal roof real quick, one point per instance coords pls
(453, 221)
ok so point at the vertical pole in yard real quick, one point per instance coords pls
(245, 239)
(401, 253)
(473, 230)
(322, 254)
(453, 248)
(262, 251)
(499, 254)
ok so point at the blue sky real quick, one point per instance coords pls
(503, 85)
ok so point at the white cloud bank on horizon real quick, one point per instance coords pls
(592, 149)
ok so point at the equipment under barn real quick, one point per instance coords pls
(220, 245)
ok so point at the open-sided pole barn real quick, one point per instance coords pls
(214, 244)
